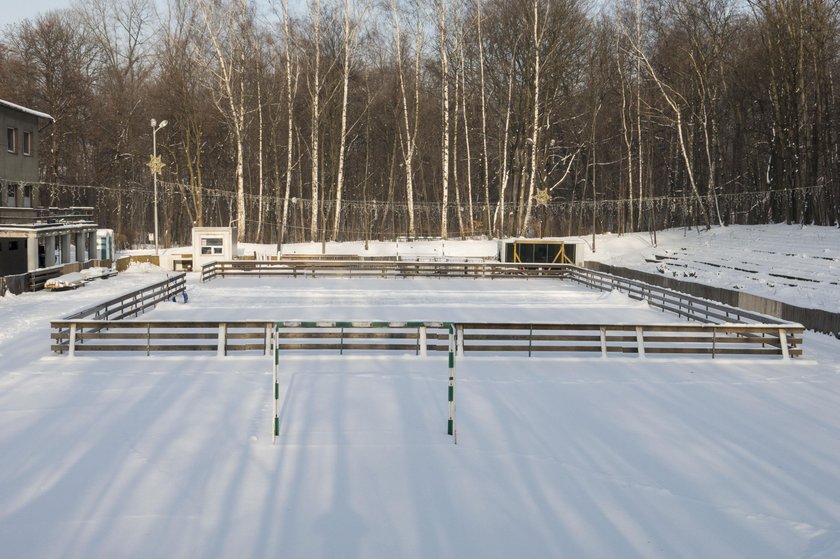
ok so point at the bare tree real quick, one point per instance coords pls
(227, 29)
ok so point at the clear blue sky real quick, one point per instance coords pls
(14, 11)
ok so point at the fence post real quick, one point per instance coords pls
(421, 341)
(603, 341)
(221, 350)
(714, 340)
(783, 343)
(71, 350)
(530, 338)
(450, 426)
(640, 339)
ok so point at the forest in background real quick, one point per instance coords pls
(372, 119)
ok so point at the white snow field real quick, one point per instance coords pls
(790, 263)
(171, 456)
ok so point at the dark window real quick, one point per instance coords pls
(11, 140)
(212, 245)
(27, 196)
(13, 245)
(27, 143)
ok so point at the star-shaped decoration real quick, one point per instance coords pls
(542, 197)
(155, 165)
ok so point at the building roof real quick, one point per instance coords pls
(4, 103)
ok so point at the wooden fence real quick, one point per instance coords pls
(819, 320)
(35, 280)
(377, 269)
(687, 306)
(723, 330)
(420, 338)
(135, 302)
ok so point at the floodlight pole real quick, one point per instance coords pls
(155, 170)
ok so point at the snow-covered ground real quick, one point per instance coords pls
(790, 263)
(412, 299)
(797, 265)
(171, 456)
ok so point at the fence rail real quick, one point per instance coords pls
(376, 268)
(421, 338)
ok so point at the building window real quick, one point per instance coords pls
(11, 198)
(27, 143)
(212, 245)
(27, 196)
(13, 245)
(11, 140)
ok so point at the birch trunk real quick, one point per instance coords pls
(532, 179)
(339, 183)
(444, 76)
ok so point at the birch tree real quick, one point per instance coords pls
(227, 28)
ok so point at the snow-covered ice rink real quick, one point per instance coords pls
(136, 457)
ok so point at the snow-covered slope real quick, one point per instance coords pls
(793, 264)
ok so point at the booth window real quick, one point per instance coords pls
(212, 245)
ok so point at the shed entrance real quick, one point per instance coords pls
(540, 252)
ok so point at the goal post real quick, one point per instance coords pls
(452, 330)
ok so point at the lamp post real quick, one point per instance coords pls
(156, 166)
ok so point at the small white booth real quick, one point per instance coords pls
(105, 244)
(212, 243)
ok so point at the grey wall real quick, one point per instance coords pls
(12, 261)
(813, 319)
(16, 168)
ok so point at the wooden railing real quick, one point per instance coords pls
(420, 338)
(724, 330)
(136, 302)
(687, 306)
(376, 268)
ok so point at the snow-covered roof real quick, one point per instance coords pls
(39, 114)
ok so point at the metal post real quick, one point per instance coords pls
(276, 387)
(154, 178)
(450, 426)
